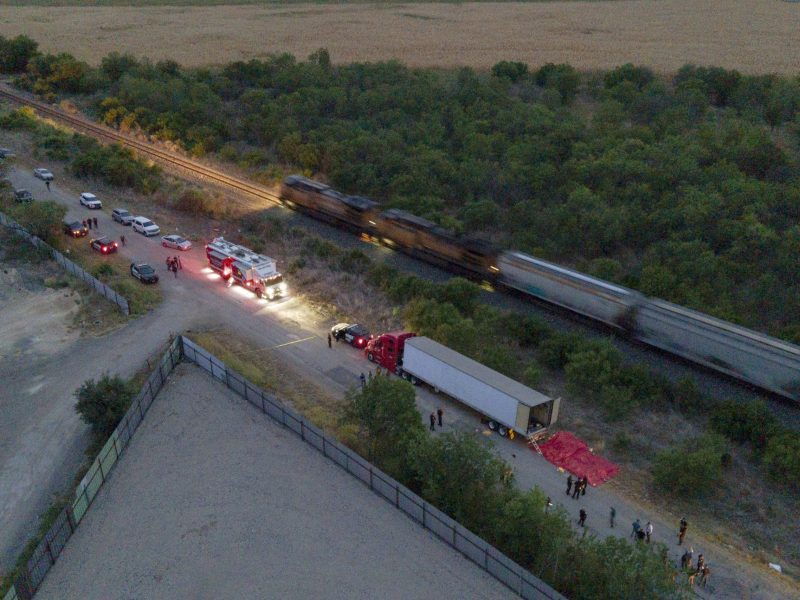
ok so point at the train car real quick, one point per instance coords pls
(322, 201)
(426, 240)
(764, 361)
(606, 302)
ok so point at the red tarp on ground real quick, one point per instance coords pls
(568, 452)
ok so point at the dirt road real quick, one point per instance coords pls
(197, 299)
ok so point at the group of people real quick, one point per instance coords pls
(640, 533)
(701, 569)
(579, 486)
(173, 264)
(88, 223)
(434, 417)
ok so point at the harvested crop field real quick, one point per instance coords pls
(754, 36)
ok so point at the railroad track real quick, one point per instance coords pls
(159, 155)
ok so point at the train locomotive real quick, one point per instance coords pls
(750, 356)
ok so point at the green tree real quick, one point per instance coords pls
(459, 474)
(385, 415)
(692, 468)
(782, 456)
(513, 71)
(103, 403)
(42, 219)
(15, 53)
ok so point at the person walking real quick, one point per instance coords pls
(648, 530)
(89, 221)
(169, 264)
(122, 239)
(611, 516)
(582, 518)
(175, 270)
(635, 528)
(682, 530)
(47, 183)
(439, 413)
(84, 224)
(569, 484)
(95, 222)
(178, 262)
(584, 484)
(433, 421)
(685, 558)
(329, 341)
(363, 379)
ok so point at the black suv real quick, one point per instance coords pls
(144, 273)
(354, 334)
(75, 229)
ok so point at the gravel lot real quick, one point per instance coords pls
(213, 500)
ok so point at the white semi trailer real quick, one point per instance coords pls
(502, 400)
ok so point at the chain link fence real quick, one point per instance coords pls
(451, 532)
(98, 286)
(497, 564)
(51, 546)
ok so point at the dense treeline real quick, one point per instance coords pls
(686, 189)
(460, 475)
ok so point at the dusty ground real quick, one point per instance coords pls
(755, 36)
(249, 507)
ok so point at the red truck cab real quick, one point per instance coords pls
(387, 349)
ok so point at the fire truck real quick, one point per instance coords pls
(239, 265)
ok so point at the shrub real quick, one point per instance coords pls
(782, 457)
(511, 70)
(532, 375)
(42, 219)
(117, 166)
(691, 469)
(562, 78)
(197, 203)
(15, 53)
(554, 352)
(103, 271)
(591, 369)
(745, 422)
(101, 404)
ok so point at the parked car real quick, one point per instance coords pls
(89, 200)
(145, 226)
(7, 153)
(144, 273)
(104, 245)
(120, 215)
(43, 174)
(176, 241)
(23, 196)
(354, 334)
(75, 228)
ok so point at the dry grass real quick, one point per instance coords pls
(755, 36)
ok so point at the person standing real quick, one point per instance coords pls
(95, 222)
(122, 239)
(363, 379)
(569, 484)
(705, 575)
(648, 530)
(682, 530)
(577, 489)
(582, 518)
(611, 516)
(635, 528)
(84, 224)
(701, 563)
(584, 483)
(548, 505)
(169, 264)
(439, 413)
(175, 270)
(178, 262)
(329, 341)
(433, 421)
(47, 183)
(685, 561)
(89, 221)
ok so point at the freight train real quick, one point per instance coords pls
(752, 357)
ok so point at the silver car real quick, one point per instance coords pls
(43, 174)
(120, 215)
(89, 200)
(176, 241)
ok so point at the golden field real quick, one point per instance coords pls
(754, 36)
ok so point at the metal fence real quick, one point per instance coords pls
(51, 546)
(470, 545)
(98, 286)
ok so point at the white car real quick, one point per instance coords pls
(89, 200)
(176, 241)
(43, 174)
(145, 226)
(120, 215)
